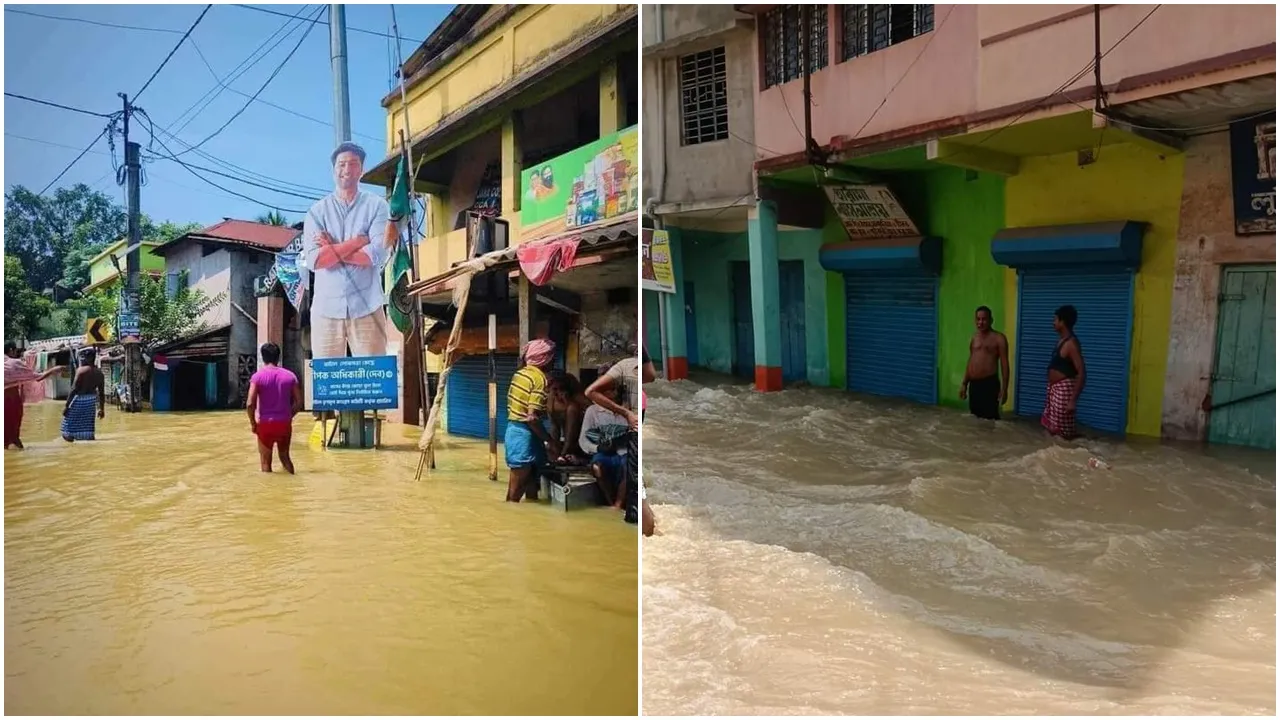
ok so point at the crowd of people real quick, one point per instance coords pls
(553, 419)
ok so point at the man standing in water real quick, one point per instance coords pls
(983, 386)
(623, 381)
(527, 440)
(20, 384)
(346, 241)
(87, 399)
(275, 396)
(1066, 377)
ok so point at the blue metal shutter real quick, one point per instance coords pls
(1104, 303)
(892, 335)
(744, 337)
(795, 363)
(468, 389)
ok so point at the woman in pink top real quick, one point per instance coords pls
(22, 385)
(274, 398)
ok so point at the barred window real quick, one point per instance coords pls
(867, 28)
(704, 97)
(783, 35)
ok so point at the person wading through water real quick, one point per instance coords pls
(1066, 377)
(87, 399)
(22, 385)
(985, 388)
(527, 440)
(623, 381)
(275, 396)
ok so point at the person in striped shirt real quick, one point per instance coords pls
(526, 441)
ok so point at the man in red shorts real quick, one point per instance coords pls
(275, 396)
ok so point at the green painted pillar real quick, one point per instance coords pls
(762, 241)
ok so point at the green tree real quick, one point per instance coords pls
(43, 231)
(164, 319)
(273, 218)
(23, 306)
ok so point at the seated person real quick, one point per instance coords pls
(603, 437)
(566, 405)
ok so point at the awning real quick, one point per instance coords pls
(600, 238)
(902, 255)
(1115, 244)
(211, 343)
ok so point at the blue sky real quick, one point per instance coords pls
(85, 66)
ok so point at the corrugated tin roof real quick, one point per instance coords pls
(211, 343)
(272, 238)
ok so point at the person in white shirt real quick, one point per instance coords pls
(347, 239)
(603, 438)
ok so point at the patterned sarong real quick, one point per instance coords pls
(1058, 419)
(79, 422)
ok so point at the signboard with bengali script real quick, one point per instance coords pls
(657, 271)
(353, 383)
(870, 212)
(1253, 174)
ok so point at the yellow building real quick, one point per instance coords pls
(521, 121)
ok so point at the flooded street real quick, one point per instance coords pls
(157, 572)
(827, 554)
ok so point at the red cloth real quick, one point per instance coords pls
(1057, 418)
(275, 432)
(19, 375)
(12, 415)
(539, 261)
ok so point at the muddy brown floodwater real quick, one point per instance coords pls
(826, 554)
(157, 572)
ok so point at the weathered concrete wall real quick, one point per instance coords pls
(242, 356)
(606, 330)
(1206, 241)
(1126, 183)
(706, 258)
(209, 273)
(719, 170)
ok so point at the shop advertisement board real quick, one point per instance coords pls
(1253, 174)
(870, 212)
(657, 271)
(595, 182)
(353, 384)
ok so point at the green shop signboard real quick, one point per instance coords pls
(598, 181)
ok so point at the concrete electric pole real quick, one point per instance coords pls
(338, 63)
(130, 315)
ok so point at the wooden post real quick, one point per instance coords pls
(493, 397)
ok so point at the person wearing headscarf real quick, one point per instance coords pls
(526, 441)
(22, 385)
(87, 399)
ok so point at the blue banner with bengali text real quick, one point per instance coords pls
(356, 383)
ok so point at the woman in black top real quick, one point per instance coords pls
(1066, 377)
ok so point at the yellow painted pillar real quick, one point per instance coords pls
(512, 167)
(613, 111)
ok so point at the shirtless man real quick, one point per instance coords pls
(986, 389)
(87, 402)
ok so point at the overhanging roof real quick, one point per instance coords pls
(600, 238)
(210, 343)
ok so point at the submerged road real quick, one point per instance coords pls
(155, 571)
(822, 553)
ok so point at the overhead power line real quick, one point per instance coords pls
(271, 77)
(168, 57)
(72, 164)
(325, 22)
(57, 105)
(157, 156)
(99, 23)
(232, 167)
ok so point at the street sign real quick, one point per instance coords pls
(97, 332)
(130, 327)
(353, 384)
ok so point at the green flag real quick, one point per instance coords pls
(400, 307)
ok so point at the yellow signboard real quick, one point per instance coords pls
(97, 332)
(657, 270)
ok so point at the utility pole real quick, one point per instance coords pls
(338, 63)
(130, 308)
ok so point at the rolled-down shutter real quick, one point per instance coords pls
(892, 335)
(468, 395)
(1104, 304)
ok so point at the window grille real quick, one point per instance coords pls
(704, 97)
(783, 35)
(868, 28)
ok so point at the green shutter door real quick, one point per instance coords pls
(1244, 377)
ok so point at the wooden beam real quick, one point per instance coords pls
(972, 158)
(1154, 140)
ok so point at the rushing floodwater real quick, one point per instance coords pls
(156, 571)
(821, 553)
